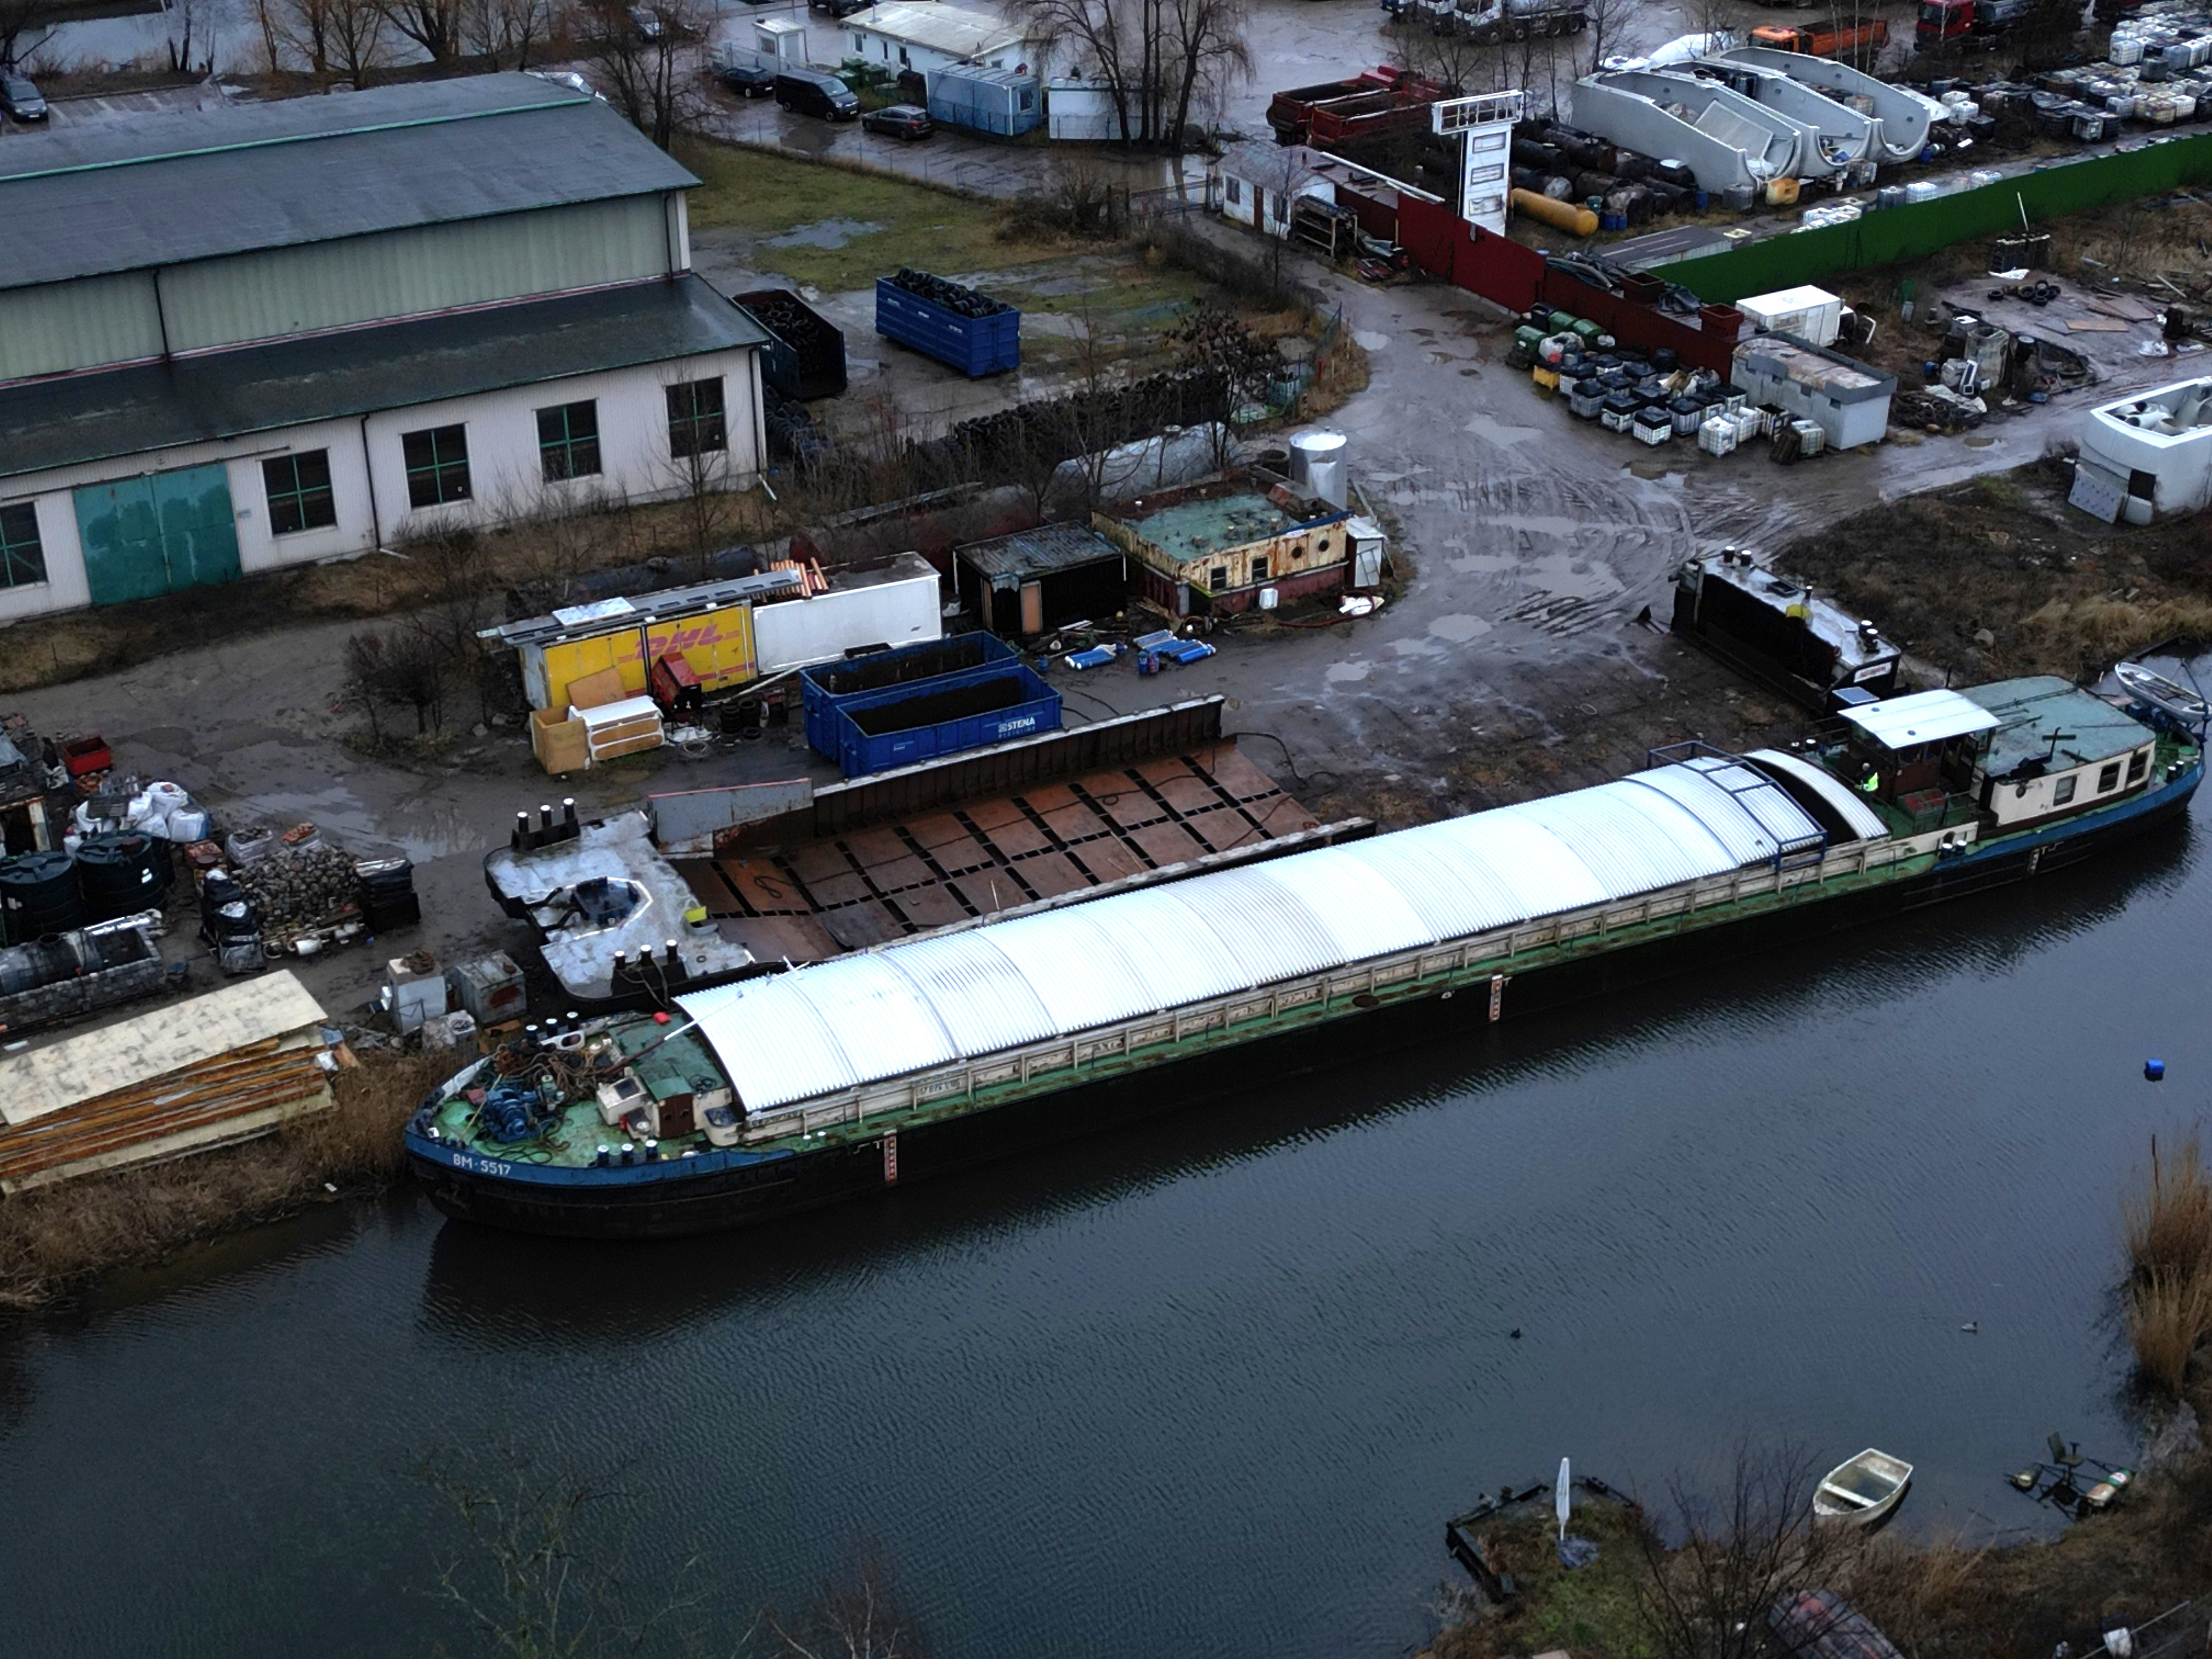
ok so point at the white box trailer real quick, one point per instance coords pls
(896, 604)
(1810, 314)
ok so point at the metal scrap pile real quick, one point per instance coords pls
(293, 887)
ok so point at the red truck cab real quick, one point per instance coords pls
(1942, 22)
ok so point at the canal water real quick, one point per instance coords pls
(1207, 1386)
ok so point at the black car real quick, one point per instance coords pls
(20, 97)
(838, 8)
(810, 92)
(900, 121)
(750, 80)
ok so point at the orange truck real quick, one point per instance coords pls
(1844, 40)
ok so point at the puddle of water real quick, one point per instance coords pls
(1980, 441)
(1343, 673)
(824, 233)
(1459, 630)
(1371, 341)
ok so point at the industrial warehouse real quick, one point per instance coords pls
(307, 330)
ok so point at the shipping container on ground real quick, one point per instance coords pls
(976, 346)
(906, 725)
(1003, 102)
(805, 357)
(827, 688)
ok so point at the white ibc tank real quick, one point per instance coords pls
(1317, 465)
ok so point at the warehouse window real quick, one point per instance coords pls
(23, 560)
(299, 488)
(568, 439)
(2109, 779)
(2063, 791)
(437, 464)
(1235, 192)
(695, 418)
(859, 43)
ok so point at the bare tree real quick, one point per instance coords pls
(1739, 1552)
(1157, 58)
(344, 38)
(653, 80)
(355, 40)
(20, 17)
(506, 29)
(858, 1618)
(185, 17)
(433, 25)
(1206, 44)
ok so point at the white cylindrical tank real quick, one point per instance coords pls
(1317, 465)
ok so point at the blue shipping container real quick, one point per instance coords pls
(931, 718)
(826, 687)
(1006, 102)
(976, 346)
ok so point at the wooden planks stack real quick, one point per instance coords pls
(205, 1072)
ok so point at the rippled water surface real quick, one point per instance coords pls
(1209, 1386)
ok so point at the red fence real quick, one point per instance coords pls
(1503, 272)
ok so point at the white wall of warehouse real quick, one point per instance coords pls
(506, 476)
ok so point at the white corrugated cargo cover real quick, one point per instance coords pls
(1924, 717)
(1004, 985)
(1868, 823)
(152, 1045)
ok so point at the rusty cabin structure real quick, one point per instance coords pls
(1212, 547)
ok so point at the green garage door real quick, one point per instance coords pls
(149, 536)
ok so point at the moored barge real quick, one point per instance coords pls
(755, 1099)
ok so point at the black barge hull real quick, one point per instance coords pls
(783, 1186)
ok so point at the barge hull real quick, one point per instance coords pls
(785, 1184)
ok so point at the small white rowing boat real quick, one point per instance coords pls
(1862, 1490)
(2159, 692)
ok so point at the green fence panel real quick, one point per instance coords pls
(1918, 229)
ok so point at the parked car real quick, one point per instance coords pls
(907, 121)
(754, 80)
(838, 8)
(810, 92)
(20, 97)
(648, 23)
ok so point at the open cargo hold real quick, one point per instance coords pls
(827, 688)
(805, 357)
(205, 1072)
(898, 707)
(957, 326)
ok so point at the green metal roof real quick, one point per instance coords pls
(76, 418)
(2043, 715)
(200, 184)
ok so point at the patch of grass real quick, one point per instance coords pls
(1592, 1609)
(2169, 1223)
(2056, 592)
(911, 223)
(2169, 1310)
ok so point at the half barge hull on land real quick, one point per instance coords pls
(941, 1053)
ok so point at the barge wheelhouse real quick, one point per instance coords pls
(765, 1096)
